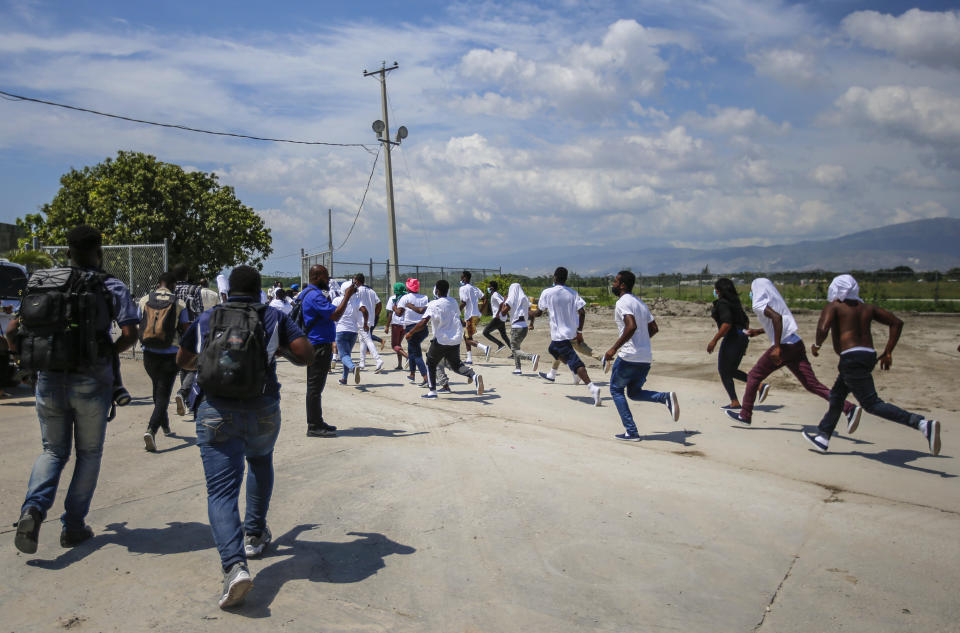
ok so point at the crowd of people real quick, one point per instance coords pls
(223, 347)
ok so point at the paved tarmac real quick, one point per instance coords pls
(515, 511)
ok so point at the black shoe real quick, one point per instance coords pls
(72, 538)
(121, 396)
(28, 531)
(327, 427)
(318, 431)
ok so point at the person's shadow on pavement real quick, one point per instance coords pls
(318, 561)
(176, 538)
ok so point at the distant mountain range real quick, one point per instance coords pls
(922, 245)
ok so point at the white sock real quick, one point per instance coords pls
(469, 356)
(923, 427)
(551, 374)
(591, 387)
(483, 348)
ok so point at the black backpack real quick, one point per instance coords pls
(58, 319)
(158, 326)
(297, 312)
(233, 357)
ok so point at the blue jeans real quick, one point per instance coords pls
(70, 407)
(345, 343)
(630, 377)
(415, 351)
(227, 433)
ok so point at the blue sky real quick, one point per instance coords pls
(694, 123)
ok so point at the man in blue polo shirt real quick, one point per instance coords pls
(230, 430)
(319, 322)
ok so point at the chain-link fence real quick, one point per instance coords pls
(137, 265)
(377, 274)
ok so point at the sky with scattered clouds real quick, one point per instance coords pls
(701, 123)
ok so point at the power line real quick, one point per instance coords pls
(369, 180)
(12, 97)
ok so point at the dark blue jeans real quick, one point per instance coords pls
(345, 343)
(855, 377)
(563, 350)
(629, 377)
(415, 349)
(227, 433)
(72, 408)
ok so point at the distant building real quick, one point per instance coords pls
(9, 234)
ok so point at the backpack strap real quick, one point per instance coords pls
(300, 299)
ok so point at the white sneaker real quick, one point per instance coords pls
(253, 546)
(181, 406)
(931, 433)
(486, 352)
(363, 366)
(536, 361)
(478, 381)
(469, 360)
(517, 372)
(149, 442)
(595, 392)
(236, 585)
(379, 368)
(673, 406)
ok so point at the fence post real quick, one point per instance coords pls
(386, 277)
(130, 267)
(371, 271)
(418, 272)
(166, 258)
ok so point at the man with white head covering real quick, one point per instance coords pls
(786, 349)
(516, 309)
(849, 319)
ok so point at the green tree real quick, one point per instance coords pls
(136, 199)
(32, 260)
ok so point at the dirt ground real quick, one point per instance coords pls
(517, 511)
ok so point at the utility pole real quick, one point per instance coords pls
(330, 238)
(382, 129)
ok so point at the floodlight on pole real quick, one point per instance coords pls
(382, 129)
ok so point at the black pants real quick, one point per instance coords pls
(732, 349)
(162, 369)
(316, 381)
(449, 353)
(496, 325)
(856, 377)
(187, 378)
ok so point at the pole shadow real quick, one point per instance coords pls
(318, 561)
(369, 431)
(176, 538)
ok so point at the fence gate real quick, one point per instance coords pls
(137, 265)
(308, 261)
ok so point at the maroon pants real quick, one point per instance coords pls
(396, 338)
(793, 356)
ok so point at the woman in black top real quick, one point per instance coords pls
(731, 322)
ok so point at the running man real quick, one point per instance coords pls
(411, 307)
(394, 326)
(849, 319)
(566, 326)
(350, 315)
(470, 295)
(633, 356)
(516, 309)
(371, 303)
(443, 314)
(786, 349)
(494, 298)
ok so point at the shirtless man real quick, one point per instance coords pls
(847, 318)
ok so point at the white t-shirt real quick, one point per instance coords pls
(392, 301)
(519, 306)
(766, 294)
(637, 348)
(284, 305)
(562, 303)
(470, 295)
(369, 299)
(209, 298)
(348, 320)
(495, 300)
(412, 299)
(444, 316)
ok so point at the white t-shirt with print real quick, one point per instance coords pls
(470, 295)
(637, 349)
(412, 299)
(444, 316)
(562, 303)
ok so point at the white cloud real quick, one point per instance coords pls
(493, 104)
(913, 178)
(829, 176)
(739, 121)
(923, 116)
(923, 37)
(921, 211)
(787, 66)
(755, 172)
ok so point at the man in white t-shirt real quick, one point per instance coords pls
(370, 301)
(411, 307)
(495, 299)
(580, 346)
(347, 328)
(281, 301)
(444, 315)
(566, 325)
(470, 297)
(633, 356)
(786, 350)
(516, 310)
